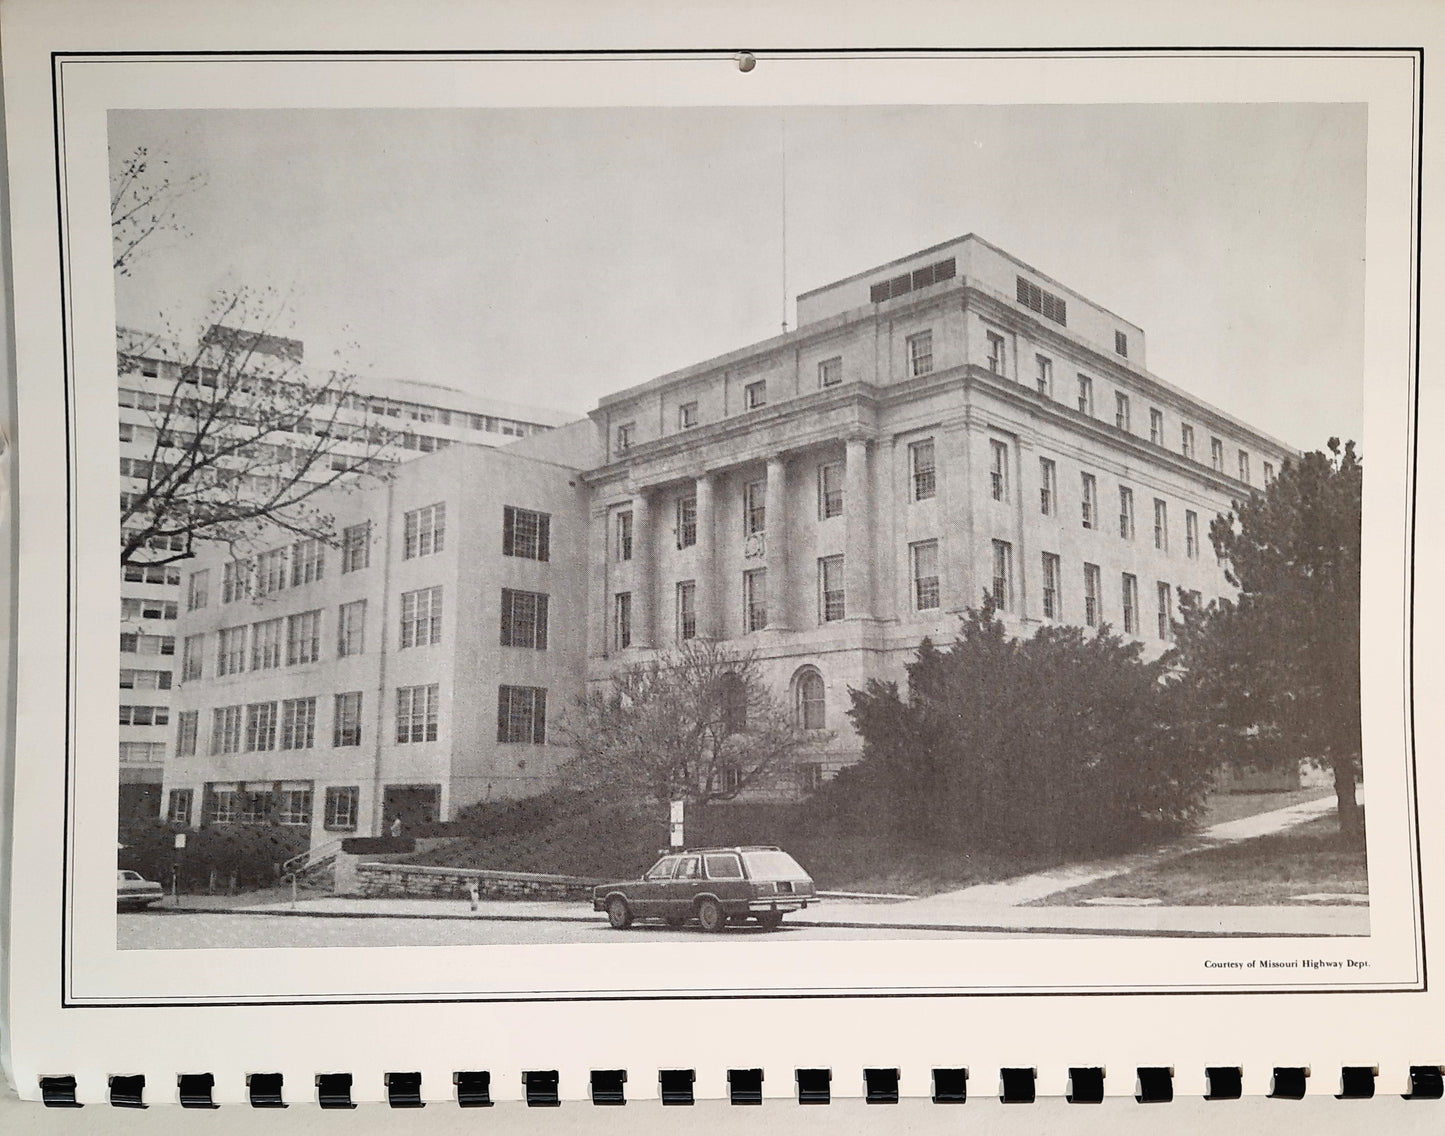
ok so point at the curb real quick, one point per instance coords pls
(985, 928)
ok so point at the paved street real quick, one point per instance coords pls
(161, 930)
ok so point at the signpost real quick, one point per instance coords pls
(675, 828)
(180, 846)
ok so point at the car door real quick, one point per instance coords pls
(651, 895)
(684, 887)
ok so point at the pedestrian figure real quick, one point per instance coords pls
(396, 826)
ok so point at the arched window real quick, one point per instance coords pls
(808, 700)
(733, 693)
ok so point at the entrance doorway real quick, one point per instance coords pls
(414, 805)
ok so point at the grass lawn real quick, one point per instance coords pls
(1310, 858)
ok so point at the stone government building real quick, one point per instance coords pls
(949, 424)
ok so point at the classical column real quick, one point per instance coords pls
(643, 540)
(858, 538)
(709, 578)
(599, 596)
(778, 535)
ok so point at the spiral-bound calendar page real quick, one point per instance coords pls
(566, 558)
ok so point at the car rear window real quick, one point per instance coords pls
(723, 866)
(773, 866)
(662, 870)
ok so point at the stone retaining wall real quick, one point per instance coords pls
(381, 879)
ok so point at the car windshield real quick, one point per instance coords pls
(662, 870)
(130, 875)
(773, 866)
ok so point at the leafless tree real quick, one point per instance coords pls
(698, 724)
(143, 201)
(240, 437)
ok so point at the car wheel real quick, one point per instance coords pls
(618, 913)
(770, 920)
(710, 915)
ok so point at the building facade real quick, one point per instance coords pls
(154, 375)
(948, 426)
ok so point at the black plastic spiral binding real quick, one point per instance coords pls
(195, 1090)
(403, 1090)
(264, 1089)
(814, 1086)
(1086, 1085)
(607, 1086)
(541, 1088)
(1288, 1082)
(745, 1086)
(1155, 1085)
(474, 1088)
(333, 1090)
(59, 1092)
(1016, 1086)
(128, 1092)
(950, 1086)
(675, 1085)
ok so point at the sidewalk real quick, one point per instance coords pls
(1000, 906)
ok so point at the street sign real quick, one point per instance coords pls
(675, 828)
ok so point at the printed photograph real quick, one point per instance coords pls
(732, 525)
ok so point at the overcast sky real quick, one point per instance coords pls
(553, 256)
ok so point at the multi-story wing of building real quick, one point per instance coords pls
(155, 374)
(950, 425)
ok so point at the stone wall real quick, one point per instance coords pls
(382, 879)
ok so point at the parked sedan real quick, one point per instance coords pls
(132, 890)
(715, 886)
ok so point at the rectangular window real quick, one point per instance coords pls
(1191, 534)
(1244, 467)
(1090, 499)
(230, 651)
(341, 807)
(925, 478)
(421, 617)
(1126, 512)
(235, 580)
(624, 437)
(755, 395)
(1052, 609)
(266, 644)
(351, 629)
(925, 575)
(624, 535)
(1166, 630)
(271, 571)
(1216, 454)
(308, 562)
(1161, 525)
(303, 638)
(830, 372)
(1046, 304)
(192, 657)
(755, 507)
(524, 619)
(1156, 425)
(622, 621)
(1044, 375)
(416, 713)
(522, 714)
(1121, 410)
(127, 432)
(198, 589)
(226, 729)
(1048, 486)
(260, 727)
(356, 547)
(346, 719)
(298, 723)
(831, 600)
(830, 490)
(998, 471)
(294, 807)
(1121, 344)
(526, 534)
(1186, 441)
(755, 599)
(687, 416)
(225, 805)
(1091, 595)
(178, 807)
(920, 354)
(1268, 472)
(686, 521)
(424, 531)
(686, 610)
(1003, 574)
(142, 753)
(187, 726)
(1131, 604)
(997, 360)
(145, 680)
(1086, 395)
